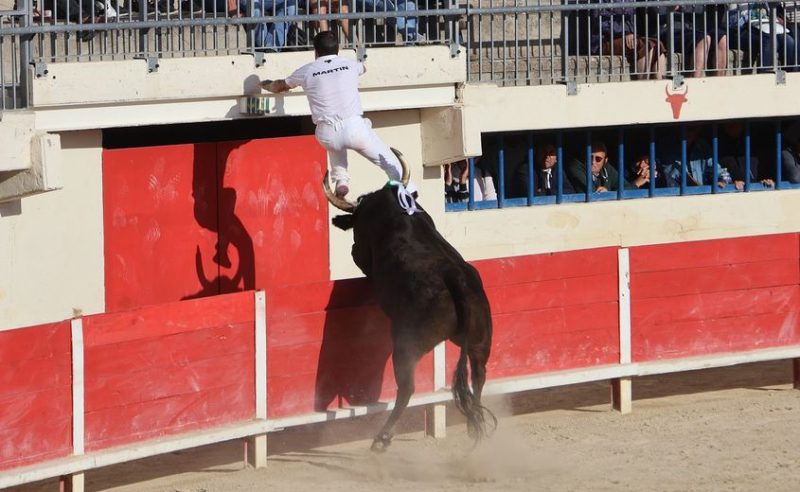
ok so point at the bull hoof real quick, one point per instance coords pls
(381, 444)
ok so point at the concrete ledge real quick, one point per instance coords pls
(43, 173)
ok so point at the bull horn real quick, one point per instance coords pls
(336, 201)
(406, 172)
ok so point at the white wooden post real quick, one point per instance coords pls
(621, 388)
(436, 415)
(76, 481)
(256, 446)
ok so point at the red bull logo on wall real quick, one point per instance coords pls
(676, 101)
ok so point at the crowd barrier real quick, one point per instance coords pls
(109, 388)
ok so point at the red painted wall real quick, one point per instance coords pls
(551, 312)
(189, 221)
(707, 297)
(329, 347)
(166, 369)
(35, 394)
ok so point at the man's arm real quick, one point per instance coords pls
(275, 86)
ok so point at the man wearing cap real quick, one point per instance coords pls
(331, 85)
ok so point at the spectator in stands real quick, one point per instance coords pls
(790, 154)
(613, 32)
(275, 36)
(77, 12)
(699, 158)
(405, 26)
(750, 28)
(732, 157)
(638, 173)
(693, 30)
(456, 190)
(604, 177)
(321, 7)
(544, 165)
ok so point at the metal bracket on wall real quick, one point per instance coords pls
(258, 58)
(677, 82)
(572, 87)
(152, 63)
(454, 50)
(780, 77)
(361, 53)
(39, 68)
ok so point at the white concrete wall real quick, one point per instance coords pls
(51, 245)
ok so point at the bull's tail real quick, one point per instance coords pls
(465, 400)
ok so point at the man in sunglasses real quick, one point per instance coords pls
(604, 177)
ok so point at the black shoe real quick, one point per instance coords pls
(164, 7)
(191, 7)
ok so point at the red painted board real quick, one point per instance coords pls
(183, 366)
(551, 339)
(553, 293)
(738, 276)
(293, 299)
(273, 210)
(339, 323)
(344, 385)
(713, 305)
(177, 349)
(716, 336)
(694, 254)
(159, 210)
(550, 266)
(168, 416)
(36, 443)
(40, 342)
(35, 394)
(169, 318)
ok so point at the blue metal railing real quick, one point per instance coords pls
(768, 175)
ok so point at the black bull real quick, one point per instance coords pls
(429, 293)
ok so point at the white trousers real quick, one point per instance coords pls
(356, 133)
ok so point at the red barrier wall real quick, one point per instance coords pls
(189, 221)
(551, 312)
(329, 347)
(35, 394)
(707, 297)
(167, 369)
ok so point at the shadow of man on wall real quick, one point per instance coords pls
(356, 345)
(215, 210)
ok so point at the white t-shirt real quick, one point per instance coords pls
(331, 84)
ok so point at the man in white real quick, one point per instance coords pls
(331, 85)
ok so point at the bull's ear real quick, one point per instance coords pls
(343, 222)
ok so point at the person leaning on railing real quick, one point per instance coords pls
(694, 32)
(750, 27)
(78, 12)
(604, 176)
(405, 26)
(613, 32)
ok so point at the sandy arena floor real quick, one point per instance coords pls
(730, 429)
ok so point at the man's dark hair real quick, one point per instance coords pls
(325, 43)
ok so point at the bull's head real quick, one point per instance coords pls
(350, 207)
(676, 100)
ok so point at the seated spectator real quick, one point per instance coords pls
(604, 177)
(694, 29)
(613, 33)
(336, 6)
(544, 165)
(77, 12)
(752, 22)
(269, 36)
(732, 157)
(405, 26)
(456, 190)
(699, 159)
(638, 173)
(790, 154)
